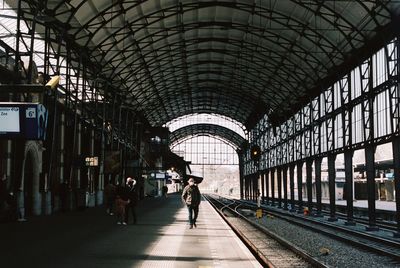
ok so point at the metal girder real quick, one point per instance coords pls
(22, 88)
(342, 117)
(329, 123)
(345, 93)
(136, 42)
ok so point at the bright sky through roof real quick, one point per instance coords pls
(206, 119)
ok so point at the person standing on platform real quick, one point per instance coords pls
(120, 206)
(191, 197)
(165, 191)
(133, 199)
(109, 194)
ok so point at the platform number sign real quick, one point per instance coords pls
(31, 112)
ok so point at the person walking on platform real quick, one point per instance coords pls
(133, 199)
(191, 197)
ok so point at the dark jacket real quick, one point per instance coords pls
(122, 192)
(132, 195)
(110, 191)
(191, 195)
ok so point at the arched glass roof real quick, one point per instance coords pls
(209, 119)
(206, 150)
(237, 58)
(229, 136)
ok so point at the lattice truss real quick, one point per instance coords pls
(238, 58)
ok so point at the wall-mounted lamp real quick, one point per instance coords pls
(53, 83)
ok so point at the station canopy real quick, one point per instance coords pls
(237, 58)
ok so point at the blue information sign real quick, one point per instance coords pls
(23, 120)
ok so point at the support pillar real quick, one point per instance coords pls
(9, 165)
(60, 202)
(272, 187)
(79, 152)
(291, 178)
(309, 164)
(318, 189)
(248, 188)
(80, 193)
(100, 185)
(300, 186)
(348, 166)
(285, 189)
(262, 176)
(255, 187)
(92, 195)
(332, 187)
(279, 177)
(370, 167)
(396, 160)
(267, 186)
(251, 188)
(245, 187)
(250, 182)
(241, 174)
(241, 188)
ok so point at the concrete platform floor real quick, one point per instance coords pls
(91, 238)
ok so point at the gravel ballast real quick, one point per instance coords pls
(340, 254)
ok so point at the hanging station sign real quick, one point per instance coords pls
(23, 120)
(9, 120)
(92, 161)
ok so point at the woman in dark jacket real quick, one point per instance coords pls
(132, 194)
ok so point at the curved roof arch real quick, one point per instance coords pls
(251, 31)
(209, 83)
(226, 55)
(214, 119)
(225, 51)
(247, 7)
(228, 136)
(276, 54)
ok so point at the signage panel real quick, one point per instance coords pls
(160, 175)
(92, 161)
(157, 175)
(23, 120)
(9, 120)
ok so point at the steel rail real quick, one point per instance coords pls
(286, 244)
(390, 248)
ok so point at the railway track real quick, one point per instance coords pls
(270, 249)
(369, 242)
(358, 218)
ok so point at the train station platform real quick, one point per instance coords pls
(91, 238)
(379, 204)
